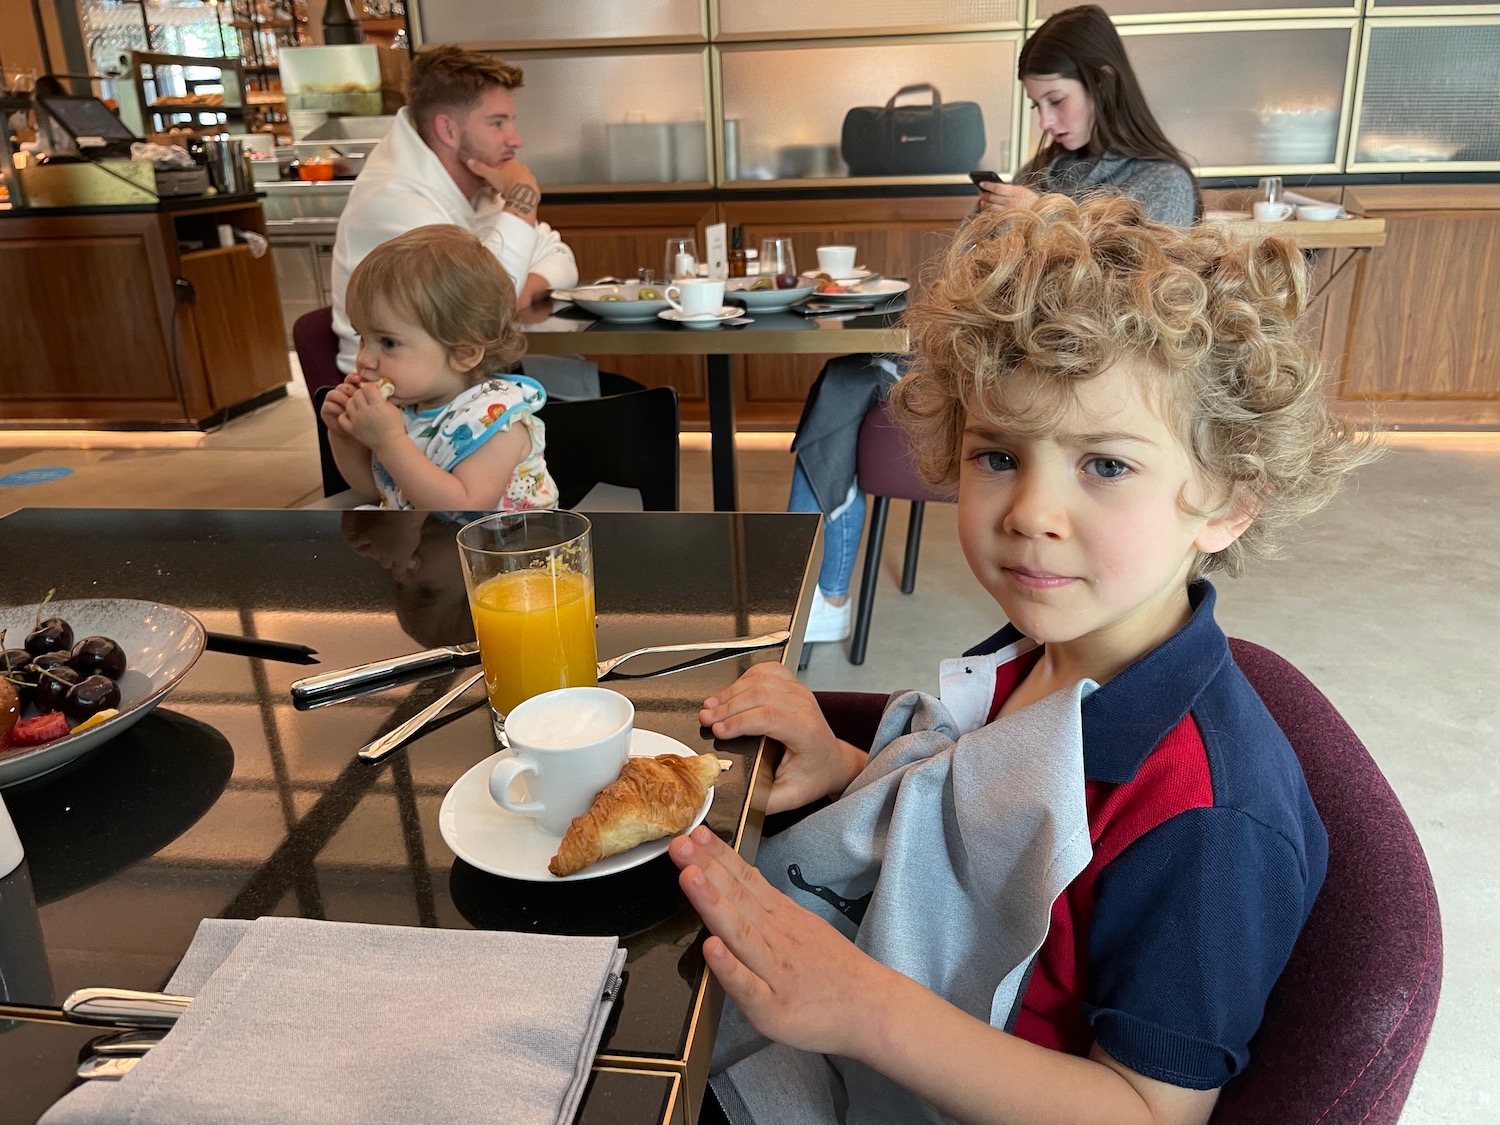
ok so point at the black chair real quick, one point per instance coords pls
(629, 440)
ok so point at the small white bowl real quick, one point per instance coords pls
(1319, 212)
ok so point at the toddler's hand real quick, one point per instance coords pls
(337, 401)
(770, 700)
(370, 419)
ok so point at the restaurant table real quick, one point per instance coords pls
(562, 329)
(230, 802)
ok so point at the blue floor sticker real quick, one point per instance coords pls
(36, 476)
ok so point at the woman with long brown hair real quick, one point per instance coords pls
(1098, 133)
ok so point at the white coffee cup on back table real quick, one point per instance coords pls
(1268, 212)
(836, 261)
(567, 744)
(703, 297)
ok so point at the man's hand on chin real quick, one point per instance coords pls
(513, 182)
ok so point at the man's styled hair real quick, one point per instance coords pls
(450, 78)
(442, 278)
(1066, 289)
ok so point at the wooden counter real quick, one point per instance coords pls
(1416, 335)
(105, 322)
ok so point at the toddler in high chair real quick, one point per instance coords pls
(425, 420)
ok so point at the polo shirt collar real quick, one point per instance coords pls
(1125, 719)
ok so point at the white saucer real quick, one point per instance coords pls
(501, 842)
(857, 274)
(882, 290)
(702, 320)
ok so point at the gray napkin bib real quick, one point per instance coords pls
(941, 860)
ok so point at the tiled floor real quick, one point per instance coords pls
(1389, 601)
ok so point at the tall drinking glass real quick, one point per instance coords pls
(530, 577)
(778, 260)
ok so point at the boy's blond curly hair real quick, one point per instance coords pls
(444, 279)
(1065, 289)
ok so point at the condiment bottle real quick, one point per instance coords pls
(738, 259)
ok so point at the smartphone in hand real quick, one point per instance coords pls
(984, 176)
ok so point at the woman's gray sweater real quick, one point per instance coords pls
(1164, 188)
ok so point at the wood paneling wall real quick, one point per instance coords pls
(1412, 327)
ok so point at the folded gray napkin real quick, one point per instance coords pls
(296, 1021)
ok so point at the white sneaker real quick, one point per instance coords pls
(828, 622)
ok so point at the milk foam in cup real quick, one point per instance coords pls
(567, 745)
(836, 261)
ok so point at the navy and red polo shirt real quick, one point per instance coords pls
(1208, 855)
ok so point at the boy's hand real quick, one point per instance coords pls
(770, 700)
(796, 978)
(370, 420)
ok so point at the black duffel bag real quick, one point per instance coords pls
(913, 140)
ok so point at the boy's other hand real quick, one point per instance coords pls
(370, 420)
(770, 700)
(796, 978)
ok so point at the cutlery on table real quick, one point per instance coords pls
(383, 747)
(379, 749)
(344, 679)
(105, 1007)
(107, 1068)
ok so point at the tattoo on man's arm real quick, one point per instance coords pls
(521, 198)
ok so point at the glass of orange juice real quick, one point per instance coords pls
(530, 577)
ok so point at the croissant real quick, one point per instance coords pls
(652, 797)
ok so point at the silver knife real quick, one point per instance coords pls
(105, 1007)
(342, 680)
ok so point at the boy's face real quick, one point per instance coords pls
(1081, 535)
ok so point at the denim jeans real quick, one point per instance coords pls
(841, 533)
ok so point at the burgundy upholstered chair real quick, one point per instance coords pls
(1346, 1024)
(317, 348)
(885, 471)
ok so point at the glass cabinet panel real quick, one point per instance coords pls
(785, 108)
(635, 116)
(1430, 94)
(1246, 96)
(778, 19)
(1138, 10)
(559, 21)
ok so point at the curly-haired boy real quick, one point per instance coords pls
(1126, 408)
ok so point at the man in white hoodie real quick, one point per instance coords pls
(450, 157)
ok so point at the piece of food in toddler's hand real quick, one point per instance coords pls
(652, 797)
(387, 388)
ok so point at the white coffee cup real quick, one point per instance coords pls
(1268, 212)
(703, 297)
(836, 261)
(568, 744)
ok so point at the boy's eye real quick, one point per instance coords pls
(1108, 468)
(993, 461)
(387, 342)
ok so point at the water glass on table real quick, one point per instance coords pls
(530, 577)
(681, 258)
(779, 260)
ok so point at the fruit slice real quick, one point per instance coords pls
(648, 294)
(95, 720)
(42, 728)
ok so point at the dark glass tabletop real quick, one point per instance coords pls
(230, 802)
